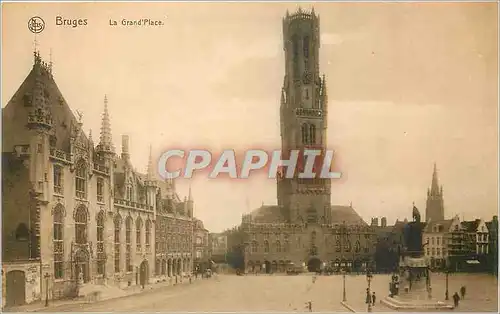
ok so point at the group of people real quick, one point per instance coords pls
(370, 298)
(457, 298)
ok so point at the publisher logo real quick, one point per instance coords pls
(36, 25)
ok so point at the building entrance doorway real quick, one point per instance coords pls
(143, 273)
(82, 266)
(16, 288)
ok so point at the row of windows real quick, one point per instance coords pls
(436, 251)
(278, 247)
(337, 236)
(128, 236)
(80, 182)
(308, 134)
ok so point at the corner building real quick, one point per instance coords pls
(76, 213)
(304, 228)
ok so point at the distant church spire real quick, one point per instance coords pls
(434, 184)
(435, 204)
(105, 141)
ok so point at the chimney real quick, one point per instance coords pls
(384, 222)
(125, 151)
(375, 222)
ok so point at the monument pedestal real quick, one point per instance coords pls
(415, 293)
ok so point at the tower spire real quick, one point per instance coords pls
(105, 141)
(150, 163)
(190, 195)
(435, 183)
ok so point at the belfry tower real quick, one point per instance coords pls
(434, 209)
(303, 115)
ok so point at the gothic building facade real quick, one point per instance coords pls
(304, 228)
(76, 213)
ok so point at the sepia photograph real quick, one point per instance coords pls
(250, 156)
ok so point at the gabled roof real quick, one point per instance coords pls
(273, 214)
(470, 226)
(15, 113)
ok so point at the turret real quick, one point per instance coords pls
(125, 149)
(150, 182)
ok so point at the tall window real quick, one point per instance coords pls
(305, 135)
(295, 47)
(254, 246)
(306, 46)
(337, 246)
(101, 257)
(81, 180)
(286, 247)
(357, 247)
(100, 189)
(117, 224)
(312, 134)
(129, 193)
(138, 228)
(81, 225)
(148, 233)
(58, 242)
(266, 246)
(58, 179)
(128, 244)
(278, 246)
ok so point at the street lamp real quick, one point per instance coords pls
(344, 298)
(46, 276)
(446, 295)
(369, 277)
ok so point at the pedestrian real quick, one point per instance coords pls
(368, 297)
(462, 292)
(374, 298)
(456, 299)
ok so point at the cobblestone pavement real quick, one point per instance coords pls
(283, 293)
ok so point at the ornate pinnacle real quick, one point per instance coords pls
(105, 141)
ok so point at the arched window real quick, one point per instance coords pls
(312, 134)
(278, 246)
(117, 226)
(266, 246)
(148, 233)
(357, 247)
(128, 244)
(138, 233)
(348, 246)
(81, 225)
(305, 135)
(58, 242)
(255, 247)
(22, 232)
(101, 256)
(337, 246)
(306, 46)
(286, 246)
(81, 180)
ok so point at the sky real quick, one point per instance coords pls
(409, 84)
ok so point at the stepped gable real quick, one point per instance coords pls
(342, 213)
(15, 113)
